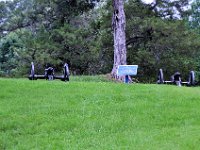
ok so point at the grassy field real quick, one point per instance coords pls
(83, 114)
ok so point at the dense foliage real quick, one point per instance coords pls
(80, 33)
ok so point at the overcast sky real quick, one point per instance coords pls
(148, 1)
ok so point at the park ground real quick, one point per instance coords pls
(90, 113)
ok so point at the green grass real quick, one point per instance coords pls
(100, 78)
(97, 115)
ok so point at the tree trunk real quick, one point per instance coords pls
(118, 24)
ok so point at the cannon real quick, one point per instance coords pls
(176, 79)
(49, 73)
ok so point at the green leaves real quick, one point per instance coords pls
(58, 31)
(9, 47)
(49, 33)
(194, 17)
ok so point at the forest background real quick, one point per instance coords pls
(162, 34)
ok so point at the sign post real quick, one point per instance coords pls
(127, 70)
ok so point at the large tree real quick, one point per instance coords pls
(194, 17)
(155, 39)
(52, 31)
(118, 24)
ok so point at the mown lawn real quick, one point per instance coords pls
(97, 115)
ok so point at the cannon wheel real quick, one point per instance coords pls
(160, 77)
(66, 72)
(32, 75)
(191, 80)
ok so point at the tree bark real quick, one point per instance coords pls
(118, 24)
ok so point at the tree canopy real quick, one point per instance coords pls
(79, 32)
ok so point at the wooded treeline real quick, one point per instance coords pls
(164, 34)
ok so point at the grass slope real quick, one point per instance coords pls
(97, 115)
